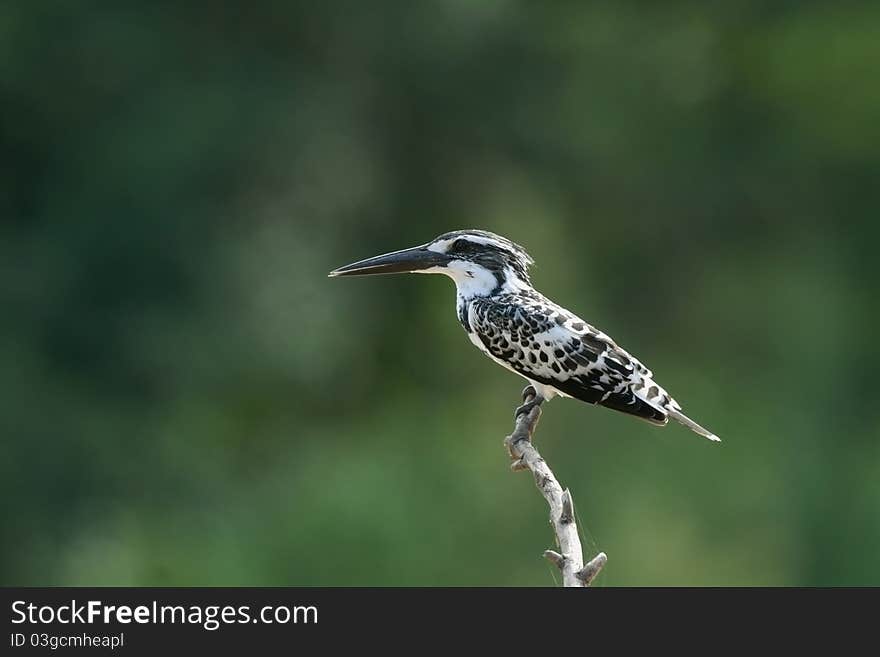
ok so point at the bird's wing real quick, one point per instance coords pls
(545, 343)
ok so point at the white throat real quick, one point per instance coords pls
(473, 280)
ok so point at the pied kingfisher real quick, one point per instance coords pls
(557, 352)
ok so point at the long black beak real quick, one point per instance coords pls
(407, 260)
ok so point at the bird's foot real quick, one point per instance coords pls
(525, 426)
(527, 407)
(531, 399)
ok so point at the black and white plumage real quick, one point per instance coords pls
(525, 332)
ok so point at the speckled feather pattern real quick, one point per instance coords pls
(546, 344)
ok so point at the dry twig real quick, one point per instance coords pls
(570, 558)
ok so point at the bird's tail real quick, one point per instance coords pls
(680, 417)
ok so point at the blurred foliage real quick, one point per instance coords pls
(188, 400)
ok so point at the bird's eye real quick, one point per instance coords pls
(460, 245)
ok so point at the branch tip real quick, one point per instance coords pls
(567, 514)
(555, 558)
(588, 573)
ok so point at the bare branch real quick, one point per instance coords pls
(570, 558)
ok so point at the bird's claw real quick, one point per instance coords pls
(527, 407)
(530, 398)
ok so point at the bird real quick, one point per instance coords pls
(506, 318)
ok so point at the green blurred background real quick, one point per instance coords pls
(188, 400)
